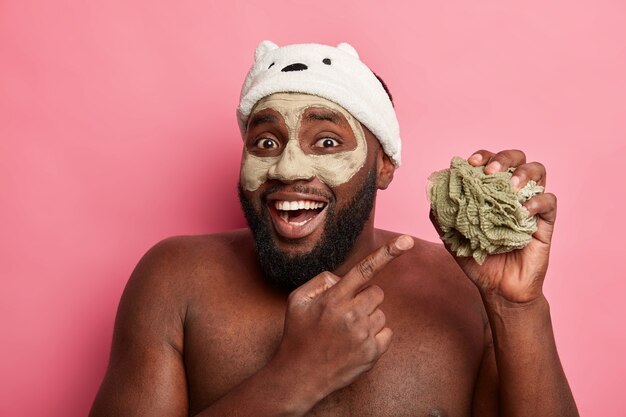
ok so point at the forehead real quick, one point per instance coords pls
(291, 105)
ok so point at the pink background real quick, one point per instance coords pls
(117, 129)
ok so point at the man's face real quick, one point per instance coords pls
(307, 185)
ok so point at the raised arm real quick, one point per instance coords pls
(527, 375)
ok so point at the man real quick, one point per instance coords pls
(315, 312)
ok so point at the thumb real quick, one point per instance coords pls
(313, 288)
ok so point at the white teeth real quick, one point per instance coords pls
(298, 205)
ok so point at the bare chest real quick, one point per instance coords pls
(429, 369)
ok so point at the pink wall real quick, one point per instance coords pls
(117, 129)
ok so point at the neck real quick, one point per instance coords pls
(364, 245)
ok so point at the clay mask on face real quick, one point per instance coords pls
(293, 164)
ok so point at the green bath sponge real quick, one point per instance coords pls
(480, 214)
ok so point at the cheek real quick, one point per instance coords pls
(339, 168)
(335, 170)
(254, 170)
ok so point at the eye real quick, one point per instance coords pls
(327, 143)
(266, 143)
(326, 61)
(271, 65)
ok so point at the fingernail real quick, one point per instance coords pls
(493, 167)
(476, 158)
(404, 242)
(515, 182)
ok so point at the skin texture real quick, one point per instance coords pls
(400, 328)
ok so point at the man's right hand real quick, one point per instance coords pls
(334, 328)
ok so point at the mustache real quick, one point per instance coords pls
(298, 188)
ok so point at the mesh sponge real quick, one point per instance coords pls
(480, 214)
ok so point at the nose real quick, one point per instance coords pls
(293, 165)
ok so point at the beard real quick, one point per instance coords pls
(341, 229)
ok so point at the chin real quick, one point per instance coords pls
(300, 246)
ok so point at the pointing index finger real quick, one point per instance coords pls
(364, 271)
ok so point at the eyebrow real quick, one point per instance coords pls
(321, 115)
(257, 120)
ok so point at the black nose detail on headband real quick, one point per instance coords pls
(295, 67)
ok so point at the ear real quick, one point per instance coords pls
(346, 47)
(263, 48)
(385, 169)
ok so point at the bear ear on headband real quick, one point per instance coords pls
(263, 48)
(346, 47)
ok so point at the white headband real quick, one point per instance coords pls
(334, 73)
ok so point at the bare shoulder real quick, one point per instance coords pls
(175, 268)
(188, 255)
(182, 253)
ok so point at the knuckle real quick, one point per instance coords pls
(502, 158)
(521, 171)
(381, 317)
(367, 267)
(387, 250)
(294, 297)
(350, 318)
(355, 329)
(389, 336)
(361, 335)
(377, 294)
(328, 277)
(538, 168)
(325, 275)
(520, 153)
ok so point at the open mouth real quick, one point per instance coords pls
(299, 212)
(295, 219)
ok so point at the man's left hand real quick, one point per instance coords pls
(515, 276)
